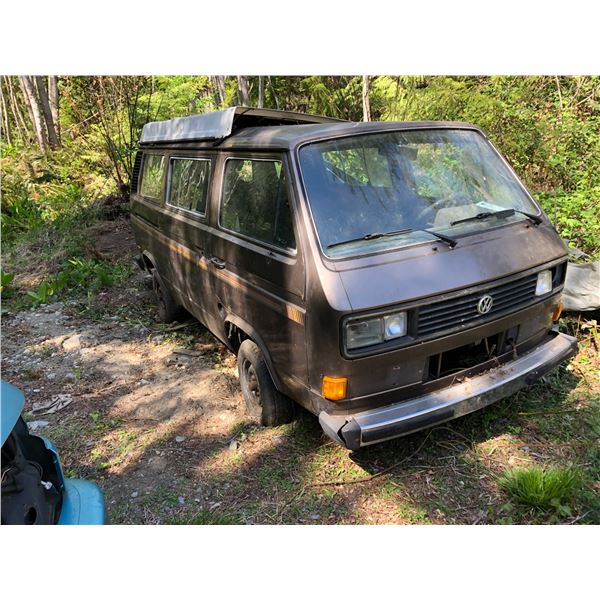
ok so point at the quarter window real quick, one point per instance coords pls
(152, 175)
(255, 201)
(189, 184)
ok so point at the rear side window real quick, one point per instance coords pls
(255, 201)
(189, 184)
(152, 175)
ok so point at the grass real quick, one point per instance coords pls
(273, 476)
(412, 515)
(206, 517)
(539, 487)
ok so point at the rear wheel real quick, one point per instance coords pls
(264, 403)
(168, 310)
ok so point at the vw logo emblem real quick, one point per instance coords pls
(485, 304)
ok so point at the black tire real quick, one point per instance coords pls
(167, 309)
(264, 403)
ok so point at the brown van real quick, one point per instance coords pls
(385, 276)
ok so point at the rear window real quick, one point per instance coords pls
(189, 184)
(255, 201)
(152, 175)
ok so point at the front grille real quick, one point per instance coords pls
(461, 312)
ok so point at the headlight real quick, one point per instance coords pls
(544, 283)
(394, 326)
(375, 330)
(362, 333)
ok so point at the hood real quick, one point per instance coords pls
(414, 273)
(12, 401)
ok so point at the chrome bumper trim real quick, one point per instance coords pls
(372, 426)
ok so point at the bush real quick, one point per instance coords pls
(78, 275)
(43, 190)
(576, 217)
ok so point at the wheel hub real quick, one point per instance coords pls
(251, 381)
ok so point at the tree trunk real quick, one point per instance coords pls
(366, 85)
(219, 84)
(16, 110)
(47, 112)
(261, 91)
(273, 92)
(5, 123)
(243, 93)
(560, 100)
(33, 108)
(54, 103)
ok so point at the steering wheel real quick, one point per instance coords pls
(428, 213)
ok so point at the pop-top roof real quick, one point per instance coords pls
(221, 124)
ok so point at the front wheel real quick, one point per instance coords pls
(167, 309)
(264, 403)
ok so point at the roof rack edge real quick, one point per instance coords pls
(220, 124)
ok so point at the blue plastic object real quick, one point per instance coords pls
(83, 503)
(12, 401)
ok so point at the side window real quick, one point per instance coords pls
(255, 201)
(152, 175)
(188, 187)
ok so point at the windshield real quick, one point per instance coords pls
(406, 182)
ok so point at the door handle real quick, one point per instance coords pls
(220, 264)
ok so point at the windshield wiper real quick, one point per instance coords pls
(373, 236)
(537, 220)
(500, 214)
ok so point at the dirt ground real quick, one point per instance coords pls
(157, 419)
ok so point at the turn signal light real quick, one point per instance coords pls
(557, 311)
(334, 388)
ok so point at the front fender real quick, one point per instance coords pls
(255, 337)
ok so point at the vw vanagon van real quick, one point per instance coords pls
(385, 276)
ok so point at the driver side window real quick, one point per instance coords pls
(255, 201)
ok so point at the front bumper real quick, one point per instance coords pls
(377, 425)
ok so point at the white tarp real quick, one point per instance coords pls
(582, 287)
(219, 124)
(214, 125)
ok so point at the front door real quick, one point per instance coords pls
(257, 270)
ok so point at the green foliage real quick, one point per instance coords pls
(5, 280)
(39, 190)
(43, 292)
(576, 216)
(78, 275)
(178, 96)
(539, 487)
